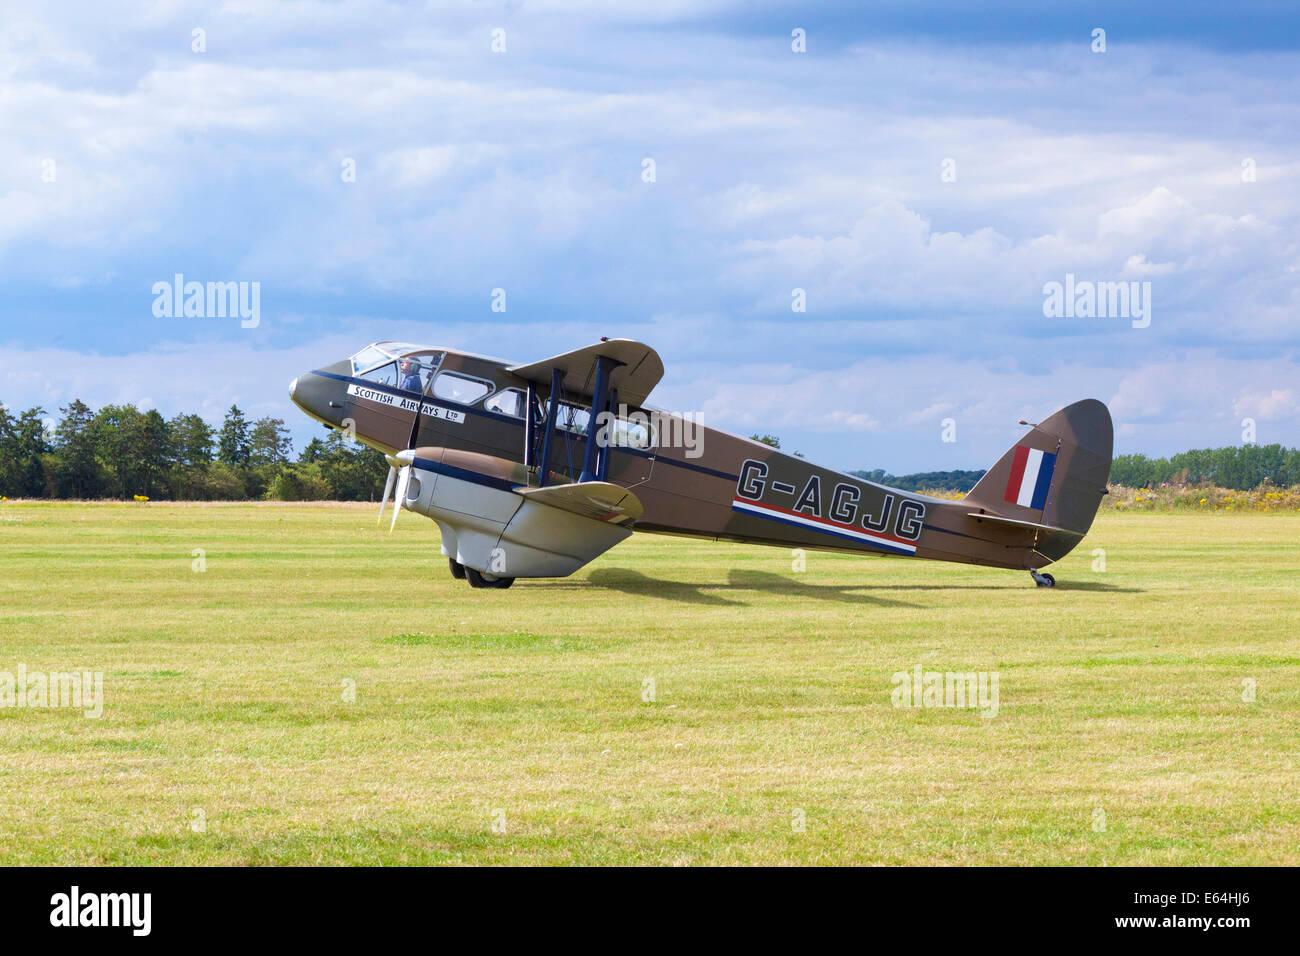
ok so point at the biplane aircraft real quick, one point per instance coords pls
(533, 470)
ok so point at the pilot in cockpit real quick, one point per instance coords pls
(410, 376)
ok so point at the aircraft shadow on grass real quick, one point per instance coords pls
(641, 585)
(634, 582)
(1099, 586)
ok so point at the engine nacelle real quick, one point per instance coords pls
(488, 526)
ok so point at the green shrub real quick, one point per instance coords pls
(298, 483)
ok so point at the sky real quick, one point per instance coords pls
(688, 174)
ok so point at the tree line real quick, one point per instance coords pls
(1240, 467)
(121, 451)
(962, 481)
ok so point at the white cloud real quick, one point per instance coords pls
(1280, 405)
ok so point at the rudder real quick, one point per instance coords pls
(1055, 475)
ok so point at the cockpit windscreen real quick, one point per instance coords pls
(396, 364)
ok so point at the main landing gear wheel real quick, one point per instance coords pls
(477, 580)
(457, 569)
(1043, 580)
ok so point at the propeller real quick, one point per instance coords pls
(388, 490)
(399, 473)
(403, 482)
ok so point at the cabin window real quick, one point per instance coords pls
(573, 418)
(459, 388)
(620, 433)
(509, 402)
(625, 433)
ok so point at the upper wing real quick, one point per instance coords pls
(637, 375)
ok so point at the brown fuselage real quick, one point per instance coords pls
(725, 487)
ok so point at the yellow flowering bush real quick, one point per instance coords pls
(1266, 498)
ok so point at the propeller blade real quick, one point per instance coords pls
(388, 490)
(403, 480)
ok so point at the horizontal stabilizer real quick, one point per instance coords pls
(598, 500)
(1031, 525)
(638, 371)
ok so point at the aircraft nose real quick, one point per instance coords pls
(320, 396)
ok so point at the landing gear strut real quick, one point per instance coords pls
(1043, 580)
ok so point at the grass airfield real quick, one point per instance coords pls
(673, 703)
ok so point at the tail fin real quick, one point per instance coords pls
(1054, 476)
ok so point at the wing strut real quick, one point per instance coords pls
(552, 416)
(530, 426)
(602, 469)
(599, 403)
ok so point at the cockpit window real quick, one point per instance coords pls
(367, 359)
(378, 352)
(412, 372)
(459, 388)
(385, 374)
(398, 348)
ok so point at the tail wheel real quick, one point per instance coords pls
(1043, 580)
(478, 580)
(457, 569)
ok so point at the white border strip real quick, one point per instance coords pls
(818, 525)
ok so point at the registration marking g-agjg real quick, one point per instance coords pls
(406, 404)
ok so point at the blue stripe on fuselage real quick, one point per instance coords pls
(892, 549)
(464, 474)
